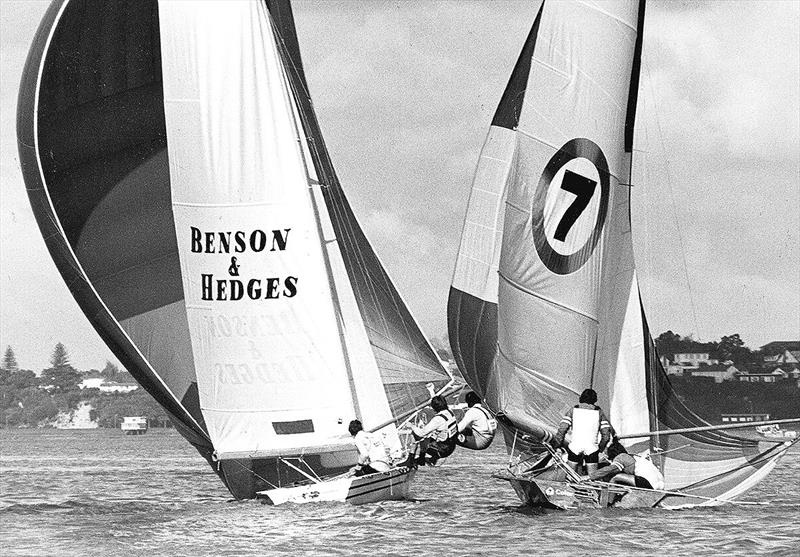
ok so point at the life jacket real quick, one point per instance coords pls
(490, 421)
(450, 429)
(647, 470)
(585, 426)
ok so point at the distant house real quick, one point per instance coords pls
(694, 359)
(763, 377)
(719, 372)
(114, 387)
(785, 357)
(745, 417)
(91, 381)
(779, 346)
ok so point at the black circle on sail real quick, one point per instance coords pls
(583, 189)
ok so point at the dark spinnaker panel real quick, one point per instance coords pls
(405, 358)
(472, 328)
(510, 106)
(90, 127)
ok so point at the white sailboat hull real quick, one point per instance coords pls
(394, 484)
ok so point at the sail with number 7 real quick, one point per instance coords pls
(179, 177)
(545, 300)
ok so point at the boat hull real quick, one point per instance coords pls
(394, 484)
(562, 495)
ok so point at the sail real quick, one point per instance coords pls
(545, 299)
(92, 145)
(178, 175)
(405, 358)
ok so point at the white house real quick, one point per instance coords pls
(766, 377)
(719, 372)
(694, 359)
(91, 382)
(114, 387)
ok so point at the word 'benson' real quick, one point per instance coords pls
(254, 289)
(238, 241)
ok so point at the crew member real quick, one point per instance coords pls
(585, 420)
(373, 456)
(626, 469)
(476, 429)
(438, 438)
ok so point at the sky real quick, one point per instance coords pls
(405, 92)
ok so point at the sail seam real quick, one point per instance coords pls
(546, 299)
(558, 149)
(246, 204)
(611, 16)
(533, 372)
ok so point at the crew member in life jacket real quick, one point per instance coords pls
(626, 469)
(476, 429)
(438, 437)
(585, 420)
(373, 456)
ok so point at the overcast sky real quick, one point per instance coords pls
(405, 92)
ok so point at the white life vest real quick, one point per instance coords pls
(585, 426)
(449, 429)
(647, 470)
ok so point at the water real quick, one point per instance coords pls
(103, 493)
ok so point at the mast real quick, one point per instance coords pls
(312, 183)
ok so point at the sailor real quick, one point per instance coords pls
(585, 420)
(373, 456)
(438, 438)
(626, 469)
(477, 427)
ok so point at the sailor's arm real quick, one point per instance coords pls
(610, 470)
(433, 425)
(563, 428)
(605, 432)
(468, 419)
(363, 451)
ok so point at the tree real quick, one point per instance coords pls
(10, 361)
(668, 343)
(110, 371)
(60, 358)
(732, 348)
(22, 379)
(63, 378)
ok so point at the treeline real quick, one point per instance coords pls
(31, 400)
(728, 348)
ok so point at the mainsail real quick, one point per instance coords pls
(545, 301)
(179, 177)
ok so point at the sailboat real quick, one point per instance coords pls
(179, 177)
(545, 300)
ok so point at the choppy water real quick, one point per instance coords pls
(103, 493)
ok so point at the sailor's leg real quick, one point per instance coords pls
(573, 459)
(624, 479)
(591, 462)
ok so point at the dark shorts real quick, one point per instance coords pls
(641, 482)
(593, 458)
(431, 451)
(441, 449)
(364, 470)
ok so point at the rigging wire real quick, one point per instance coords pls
(670, 181)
